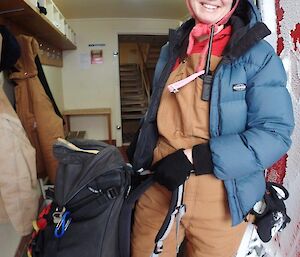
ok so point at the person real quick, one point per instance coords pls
(219, 115)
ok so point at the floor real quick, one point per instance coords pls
(9, 240)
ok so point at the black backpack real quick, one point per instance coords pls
(90, 214)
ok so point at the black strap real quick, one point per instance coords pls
(126, 216)
(167, 220)
(44, 82)
(175, 213)
(106, 194)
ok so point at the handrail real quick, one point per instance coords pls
(144, 73)
(144, 83)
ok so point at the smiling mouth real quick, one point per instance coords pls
(209, 7)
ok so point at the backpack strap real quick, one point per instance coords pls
(176, 211)
(126, 216)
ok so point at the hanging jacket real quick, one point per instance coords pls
(251, 115)
(18, 178)
(35, 109)
(44, 82)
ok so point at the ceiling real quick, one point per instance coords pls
(157, 9)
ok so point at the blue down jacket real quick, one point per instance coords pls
(251, 116)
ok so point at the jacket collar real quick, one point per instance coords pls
(179, 38)
(243, 37)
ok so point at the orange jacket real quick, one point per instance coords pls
(35, 109)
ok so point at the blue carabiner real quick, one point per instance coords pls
(63, 225)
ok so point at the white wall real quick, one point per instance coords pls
(96, 86)
(268, 13)
(287, 243)
(54, 78)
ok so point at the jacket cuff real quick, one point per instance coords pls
(202, 159)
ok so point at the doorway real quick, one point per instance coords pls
(138, 55)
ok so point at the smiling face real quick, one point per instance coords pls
(209, 11)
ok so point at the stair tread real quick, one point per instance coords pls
(122, 72)
(133, 104)
(130, 78)
(134, 97)
(131, 86)
(128, 90)
(132, 116)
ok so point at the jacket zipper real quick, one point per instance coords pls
(219, 95)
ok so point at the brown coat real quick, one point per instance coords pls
(18, 179)
(35, 109)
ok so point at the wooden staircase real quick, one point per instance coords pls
(152, 57)
(134, 101)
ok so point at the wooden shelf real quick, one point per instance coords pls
(90, 112)
(96, 111)
(25, 15)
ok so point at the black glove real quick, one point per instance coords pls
(272, 217)
(172, 170)
(202, 159)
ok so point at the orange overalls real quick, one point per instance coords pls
(183, 121)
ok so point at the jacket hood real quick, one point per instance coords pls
(25, 66)
(248, 12)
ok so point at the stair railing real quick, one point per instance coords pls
(144, 73)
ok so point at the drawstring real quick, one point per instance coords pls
(174, 88)
(199, 30)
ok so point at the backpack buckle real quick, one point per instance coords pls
(112, 193)
(57, 215)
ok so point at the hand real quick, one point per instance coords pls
(172, 170)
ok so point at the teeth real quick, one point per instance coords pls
(208, 6)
